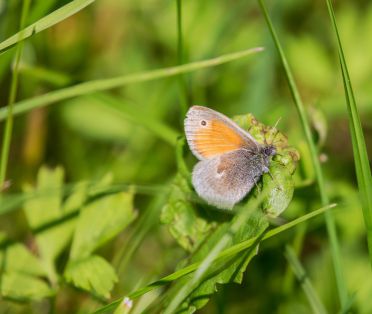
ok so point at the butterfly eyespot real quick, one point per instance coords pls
(203, 122)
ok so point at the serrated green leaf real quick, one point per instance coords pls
(23, 287)
(100, 221)
(46, 209)
(16, 258)
(93, 274)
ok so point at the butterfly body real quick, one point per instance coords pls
(231, 160)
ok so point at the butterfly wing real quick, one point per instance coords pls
(225, 179)
(210, 133)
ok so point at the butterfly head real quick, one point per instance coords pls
(268, 150)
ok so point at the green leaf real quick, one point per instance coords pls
(17, 258)
(45, 22)
(23, 287)
(182, 217)
(93, 274)
(21, 273)
(100, 221)
(47, 209)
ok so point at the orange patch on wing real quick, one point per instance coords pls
(216, 138)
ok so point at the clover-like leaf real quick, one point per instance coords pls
(100, 221)
(47, 209)
(22, 273)
(93, 274)
(23, 287)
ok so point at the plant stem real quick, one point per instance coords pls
(180, 60)
(362, 166)
(8, 129)
(106, 84)
(330, 223)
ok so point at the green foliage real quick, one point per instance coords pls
(102, 87)
(88, 223)
(22, 273)
(93, 274)
(99, 222)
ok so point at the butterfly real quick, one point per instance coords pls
(231, 161)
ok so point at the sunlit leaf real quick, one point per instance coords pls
(100, 221)
(47, 209)
(24, 287)
(93, 274)
(17, 258)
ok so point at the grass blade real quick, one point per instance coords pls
(362, 166)
(330, 223)
(134, 114)
(180, 60)
(305, 282)
(8, 129)
(47, 21)
(106, 84)
(224, 254)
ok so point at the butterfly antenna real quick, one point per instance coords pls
(274, 128)
(277, 122)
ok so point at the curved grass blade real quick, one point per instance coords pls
(305, 282)
(47, 21)
(330, 223)
(362, 166)
(106, 84)
(224, 254)
(8, 128)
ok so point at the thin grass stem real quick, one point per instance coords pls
(330, 223)
(362, 166)
(180, 60)
(106, 84)
(313, 298)
(8, 129)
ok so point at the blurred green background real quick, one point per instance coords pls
(97, 134)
